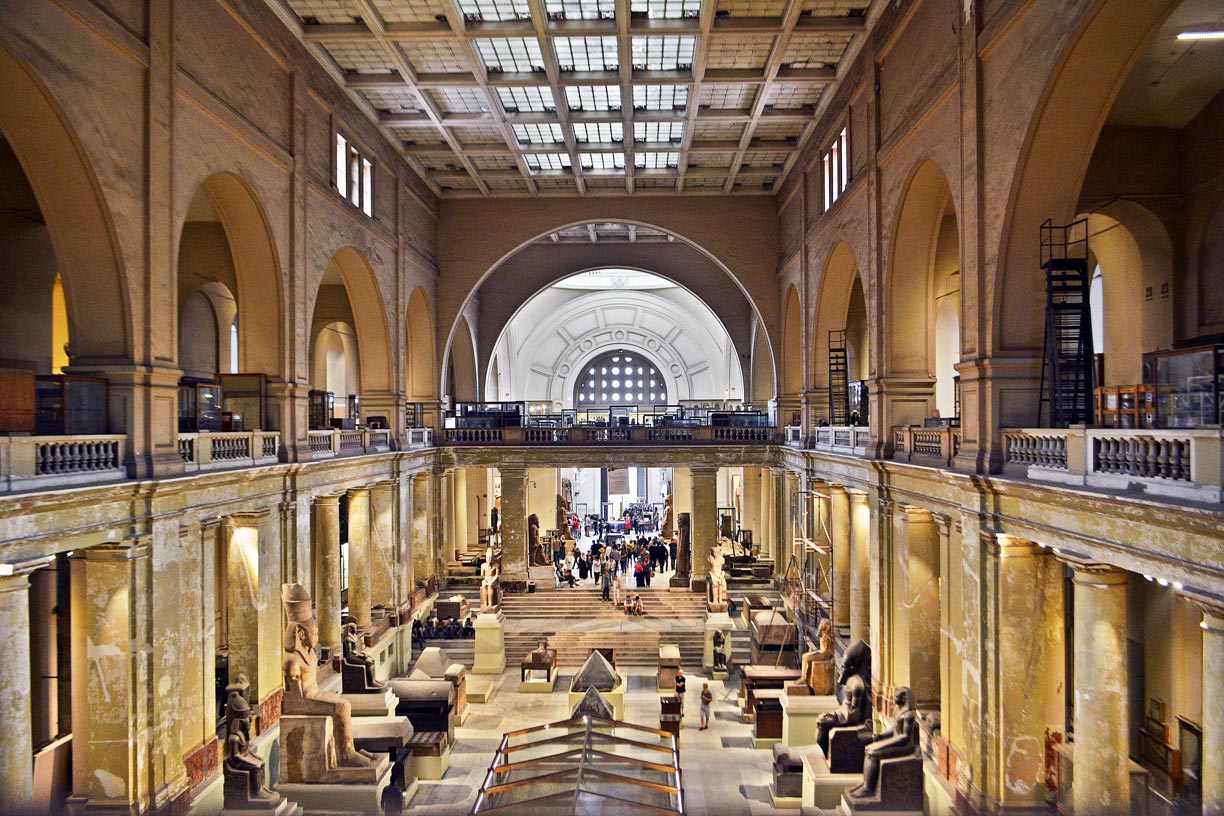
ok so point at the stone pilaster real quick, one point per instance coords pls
(111, 598)
(383, 539)
(839, 525)
(1213, 709)
(359, 556)
(860, 567)
(752, 504)
(16, 766)
(1102, 782)
(422, 557)
(915, 604)
(705, 521)
(211, 542)
(252, 593)
(326, 513)
(458, 541)
(514, 527)
(880, 581)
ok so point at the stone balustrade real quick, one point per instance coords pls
(1178, 463)
(850, 440)
(415, 438)
(41, 462)
(230, 449)
(328, 443)
(613, 435)
(792, 436)
(926, 446)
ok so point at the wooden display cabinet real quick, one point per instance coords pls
(199, 406)
(16, 401)
(244, 398)
(1125, 406)
(320, 405)
(67, 404)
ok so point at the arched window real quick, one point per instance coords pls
(619, 378)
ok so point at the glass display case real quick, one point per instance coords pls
(319, 409)
(858, 402)
(1188, 384)
(199, 406)
(244, 401)
(66, 404)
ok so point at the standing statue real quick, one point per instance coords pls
(668, 522)
(717, 599)
(899, 741)
(488, 583)
(817, 664)
(302, 693)
(684, 555)
(244, 771)
(539, 558)
(563, 525)
(720, 655)
(357, 668)
(856, 703)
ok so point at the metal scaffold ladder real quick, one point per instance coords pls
(1067, 361)
(839, 379)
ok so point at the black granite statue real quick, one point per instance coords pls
(855, 681)
(357, 676)
(243, 771)
(900, 741)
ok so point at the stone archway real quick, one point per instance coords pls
(833, 313)
(421, 380)
(461, 382)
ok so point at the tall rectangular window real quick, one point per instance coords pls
(354, 176)
(836, 167)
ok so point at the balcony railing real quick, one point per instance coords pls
(31, 462)
(327, 443)
(213, 451)
(415, 438)
(926, 446)
(846, 439)
(1178, 463)
(613, 435)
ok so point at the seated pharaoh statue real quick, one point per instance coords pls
(357, 675)
(304, 697)
(856, 702)
(817, 663)
(900, 741)
(243, 771)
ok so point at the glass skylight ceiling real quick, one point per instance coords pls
(599, 132)
(475, 10)
(660, 97)
(587, 53)
(533, 99)
(580, 9)
(603, 161)
(511, 54)
(547, 161)
(658, 131)
(658, 53)
(593, 97)
(667, 9)
(656, 161)
(538, 134)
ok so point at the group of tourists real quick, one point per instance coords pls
(446, 629)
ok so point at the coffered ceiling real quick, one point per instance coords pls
(595, 97)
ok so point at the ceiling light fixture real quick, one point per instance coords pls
(1201, 35)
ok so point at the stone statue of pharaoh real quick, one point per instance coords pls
(244, 771)
(817, 663)
(357, 674)
(488, 583)
(856, 704)
(899, 741)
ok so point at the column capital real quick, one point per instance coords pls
(356, 490)
(858, 496)
(248, 518)
(16, 576)
(506, 471)
(914, 513)
(210, 524)
(1211, 607)
(1003, 545)
(129, 549)
(328, 499)
(704, 469)
(1094, 574)
(386, 484)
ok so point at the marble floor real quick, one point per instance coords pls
(723, 773)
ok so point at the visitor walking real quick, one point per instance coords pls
(707, 697)
(681, 685)
(605, 582)
(671, 548)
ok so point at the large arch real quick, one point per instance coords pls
(1054, 160)
(792, 345)
(81, 230)
(421, 379)
(369, 319)
(462, 382)
(833, 305)
(256, 268)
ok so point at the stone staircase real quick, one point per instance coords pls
(583, 603)
(458, 650)
(634, 649)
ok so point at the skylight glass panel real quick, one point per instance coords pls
(593, 97)
(656, 161)
(547, 161)
(511, 54)
(667, 9)
(580, 9)
(587, 53)
(531, 99)
(658, 131)
(538, 134)
(659, 53)
(599, 132)
(477, 10)
(603, 161)
(660, 97)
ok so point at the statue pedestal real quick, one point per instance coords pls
(535, 684)
(716, 622)
(821, 787)
(480, 689)
(307, 745)
(380, 735)
(800, 716)
(377, 704)
(898, 791)
(615, 698)
(490, 644)
(344, 798)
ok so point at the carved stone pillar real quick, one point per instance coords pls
(359, 556)
(252, 592)
(1102, 780)
(16, 766)
(457, 543)
(839, 524)
(327, 569)
(514, 528)
(860, 568)
(915, 604)
(880, 582)
(422, 557)
(704, 520)
(383, 499)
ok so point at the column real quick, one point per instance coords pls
(880, 591)
(359, 556)
(1213, 710)
(327, 569)
(17, 748)
(383, 497)
(860, 567)
(915, 609)
(252, 597)
(514, 528)
(839, 523)
(752, 504)
(458, 540)
(788, 484)
(110, 668)
(1102, 783)
(704, 524)
(421, 558)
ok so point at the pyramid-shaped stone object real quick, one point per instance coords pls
(596, 673)
(593, 705)
(433, 661)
